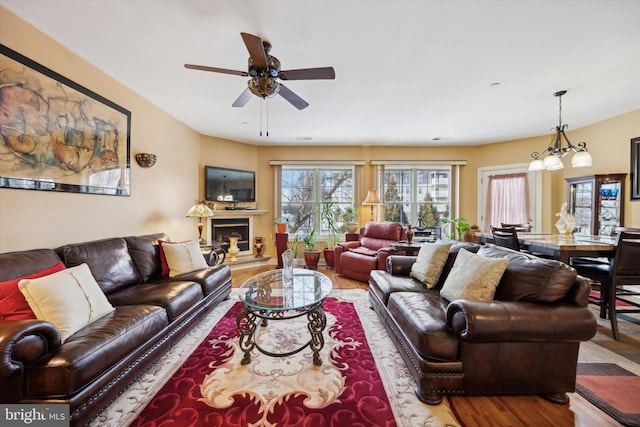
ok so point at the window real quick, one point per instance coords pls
(303, 189)
(508, 199)
(417, 195)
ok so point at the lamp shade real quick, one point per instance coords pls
(552, 163)
(199, 210)
(581, 159)
(536, 165)
(372, 199)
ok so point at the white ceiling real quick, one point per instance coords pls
(468, 72)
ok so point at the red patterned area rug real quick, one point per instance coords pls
(612, 389)
(361, 382)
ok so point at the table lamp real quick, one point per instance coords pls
(200, 210)
(372, 200)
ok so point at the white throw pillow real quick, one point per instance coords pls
(184, 257)
(473, 277)
(430, 262)
(70, 299)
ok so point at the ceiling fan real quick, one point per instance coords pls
(264, 71)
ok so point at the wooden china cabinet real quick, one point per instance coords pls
(597, 201)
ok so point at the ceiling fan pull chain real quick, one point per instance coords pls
(267, 117)
(261, 116)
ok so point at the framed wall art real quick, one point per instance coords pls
(635, 169)
(57, 135)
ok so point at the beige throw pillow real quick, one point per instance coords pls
(184, 257)
(430, 262)
(473, 277)
(70, 299)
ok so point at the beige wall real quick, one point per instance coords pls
(162, 195)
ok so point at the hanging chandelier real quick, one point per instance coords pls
(556, 151)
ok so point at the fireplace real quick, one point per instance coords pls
(222, 228)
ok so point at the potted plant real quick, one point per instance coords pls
(328, 215)
(311, 254)
(350, 220)
(458, 227)
(281, 224)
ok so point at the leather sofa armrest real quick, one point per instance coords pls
(25, 341)
(502, 321)
(400, 265)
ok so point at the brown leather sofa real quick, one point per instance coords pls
(95, 364)
(524, 342)
(356, 259)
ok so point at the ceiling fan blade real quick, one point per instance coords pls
(216, 70)
(243, 98)
(294, 99)
(256, 50)
(308, 74)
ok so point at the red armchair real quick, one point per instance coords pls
(356, 259)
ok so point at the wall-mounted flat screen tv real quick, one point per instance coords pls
(229, 185)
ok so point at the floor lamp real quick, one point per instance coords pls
(372, 200)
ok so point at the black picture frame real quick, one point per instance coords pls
(57, 135)
(635, 169)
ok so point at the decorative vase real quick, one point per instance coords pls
(281, 227)
(233, 248)
(259, 245)
(409, 233)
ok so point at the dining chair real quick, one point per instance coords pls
(518, 227)
(506, 237)
(619, 281)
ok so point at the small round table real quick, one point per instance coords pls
(268, 296)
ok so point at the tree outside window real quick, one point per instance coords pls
(417, 196)
(304, 189)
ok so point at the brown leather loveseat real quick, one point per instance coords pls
(523, 342)
(97, 362)
(356, 259)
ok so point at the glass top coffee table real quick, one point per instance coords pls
(269, 296)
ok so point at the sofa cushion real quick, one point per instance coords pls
(212, 279)
(13, 305)
(175, 297)
(383, 284)
(421, 316)
(109, 261)
(430, 262)
(183, 257)
(529, 278)
(95, 349)
(473, 277)
(364, 251)
(70, 299)
(145, 252)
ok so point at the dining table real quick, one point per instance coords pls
(562, 247)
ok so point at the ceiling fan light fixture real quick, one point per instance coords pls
(556, 150)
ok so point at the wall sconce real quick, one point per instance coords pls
(146, 160)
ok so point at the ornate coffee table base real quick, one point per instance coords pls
(317, 323)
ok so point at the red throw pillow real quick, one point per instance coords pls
(13, 306)
(163, 258)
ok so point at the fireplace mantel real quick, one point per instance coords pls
(224, 213)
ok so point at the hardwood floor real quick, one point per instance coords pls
(481, 411)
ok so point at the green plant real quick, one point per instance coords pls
(459, 226)
(328, 215)
(295, 244)
(309, 240)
